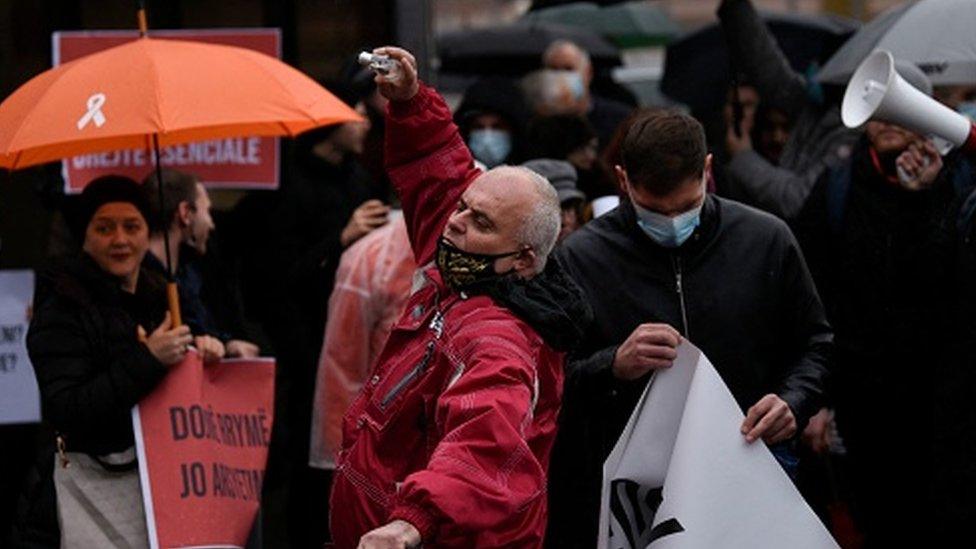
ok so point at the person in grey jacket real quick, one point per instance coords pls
(674, 263)
(819, 140)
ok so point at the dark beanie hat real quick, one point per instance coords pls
(105, 189)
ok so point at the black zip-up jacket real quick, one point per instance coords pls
(90, 366)
(91, 369)
(739, 289)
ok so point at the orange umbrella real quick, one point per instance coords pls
(179, 90)
(150, 93)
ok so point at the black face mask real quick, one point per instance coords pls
(460, 269)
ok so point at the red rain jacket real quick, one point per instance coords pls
(453, 431)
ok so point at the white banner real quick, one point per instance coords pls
(19, 398)
(682, 475)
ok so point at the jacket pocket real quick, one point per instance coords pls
(412, 375)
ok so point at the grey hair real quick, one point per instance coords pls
(540, 228)
(556, 45)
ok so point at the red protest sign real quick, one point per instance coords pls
(234, 163)
(202, 439)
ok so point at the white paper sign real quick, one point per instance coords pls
(682, 475)
(19, 398)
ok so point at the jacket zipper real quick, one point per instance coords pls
(676, 262)
(413, 374)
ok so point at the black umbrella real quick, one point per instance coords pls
(516, 49)
(696, 69)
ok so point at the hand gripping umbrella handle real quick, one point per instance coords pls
(173, 301)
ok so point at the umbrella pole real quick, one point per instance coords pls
(141, 18)
(172, 292)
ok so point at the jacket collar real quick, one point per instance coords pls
(551, 303)
(82, 280)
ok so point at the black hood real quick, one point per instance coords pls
(493, 94)
(551, 303)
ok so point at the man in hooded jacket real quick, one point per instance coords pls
(448, 443)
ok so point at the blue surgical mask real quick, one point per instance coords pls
(575, 81)
(968, 109)
(490, 146)
(667, 231)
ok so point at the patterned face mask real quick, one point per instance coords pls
(460, 269)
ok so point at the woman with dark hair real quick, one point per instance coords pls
(100, 340)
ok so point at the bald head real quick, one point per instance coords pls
(565, 55)
(506, 209)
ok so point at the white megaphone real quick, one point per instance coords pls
(877, 91)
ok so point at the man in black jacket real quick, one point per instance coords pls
(673, 263)
(189, 223)
(882, 234)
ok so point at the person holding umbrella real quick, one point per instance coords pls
(818, 140)
(100, 340)
(137, 96)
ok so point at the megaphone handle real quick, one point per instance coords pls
(173, 300)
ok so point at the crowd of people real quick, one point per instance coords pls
(461, 334)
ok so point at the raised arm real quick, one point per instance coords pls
(756, 53)
(428, 162)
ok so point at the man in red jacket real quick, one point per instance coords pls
(448, 443)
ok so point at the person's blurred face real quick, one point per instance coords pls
(749, 99)
(584, 157)
(490, 213)
(490, 121)
(953, 96)
(117, 238)
(351, 136)
(568, 58)
(688, 195)
(199, 221)
(571, 220)
(774, 133)
(888, 138)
